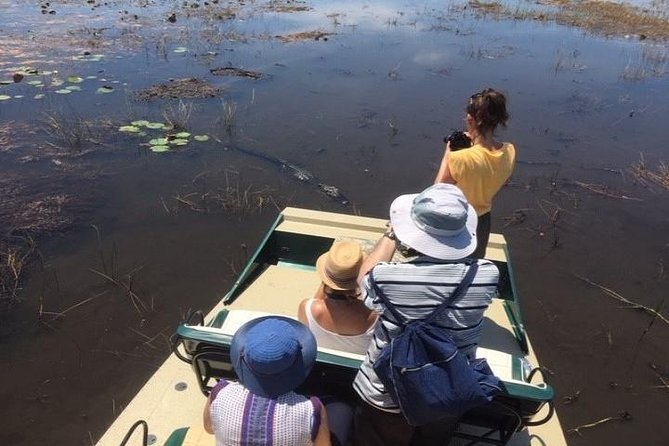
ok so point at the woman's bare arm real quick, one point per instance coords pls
(444, 173)
(323, 435)
(301, 312)
(206, 417)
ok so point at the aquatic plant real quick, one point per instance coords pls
(178, 116)
(69, 130)
(229, 114)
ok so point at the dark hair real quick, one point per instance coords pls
(488, 108)
(340, 294)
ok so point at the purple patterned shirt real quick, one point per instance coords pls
(242, 418)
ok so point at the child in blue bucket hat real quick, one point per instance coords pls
(272, 356)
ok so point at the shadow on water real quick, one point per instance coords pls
(143, 191)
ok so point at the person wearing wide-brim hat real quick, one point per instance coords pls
(336, 316)
(440, 226)
(271, 356)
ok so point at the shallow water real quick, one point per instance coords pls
(364, 111)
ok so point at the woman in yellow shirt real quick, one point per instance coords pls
(482, 169)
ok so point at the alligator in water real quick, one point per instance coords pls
(300, 173)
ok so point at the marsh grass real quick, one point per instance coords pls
(110, 273)
(307, 35)
(600, 17)
(652, 62)
(287, 6)
(70, 132)
(652, 178)
(229, 116)
(223, 192)
(5, 136)
(15, 254)
(178, 115)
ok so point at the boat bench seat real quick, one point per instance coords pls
(207, 348)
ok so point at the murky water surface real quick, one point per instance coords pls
(360, 105)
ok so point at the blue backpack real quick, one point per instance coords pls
(423, 370)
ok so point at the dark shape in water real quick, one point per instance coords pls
(172, 18)
(232, 71)
(18, 77)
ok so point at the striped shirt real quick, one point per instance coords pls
(415, 289)
(242, 418)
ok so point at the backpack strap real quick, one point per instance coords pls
(460, 289)
(396, 314)
(457, 292)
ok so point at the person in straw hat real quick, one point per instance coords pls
(271, 356)
(440, 225)
(336, 316)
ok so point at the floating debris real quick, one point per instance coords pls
(38, 96)
(64, 91)
(128, 129)
(105, 90)
(180, 50)
(309, 35)
(178, 89)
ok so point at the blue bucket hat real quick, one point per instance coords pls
(438, 222)
(272, 355)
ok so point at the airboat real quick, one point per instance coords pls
(168, 409)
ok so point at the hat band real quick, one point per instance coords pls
(340, 279)
(436, 231)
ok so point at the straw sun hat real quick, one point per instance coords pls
(339, 267)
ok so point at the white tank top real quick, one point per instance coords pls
(348, 343)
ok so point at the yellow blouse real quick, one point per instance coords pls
(480, 173)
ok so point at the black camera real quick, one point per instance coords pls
(459, 140)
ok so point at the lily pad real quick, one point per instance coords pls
(182, 135)
(4, 97)
(56, 82)
(39, 96)
(155, 125)
(63, 91)
(18, 96)
(73, 88)
(140, 123)
(6, 82)
(91, 77)
(158, 142)
(180, 49)
(35, 82)
(160, 149)
(75, 79)
(128, 129)
(48, 73)
(105, 90)
(201, 138)
(179, 142)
